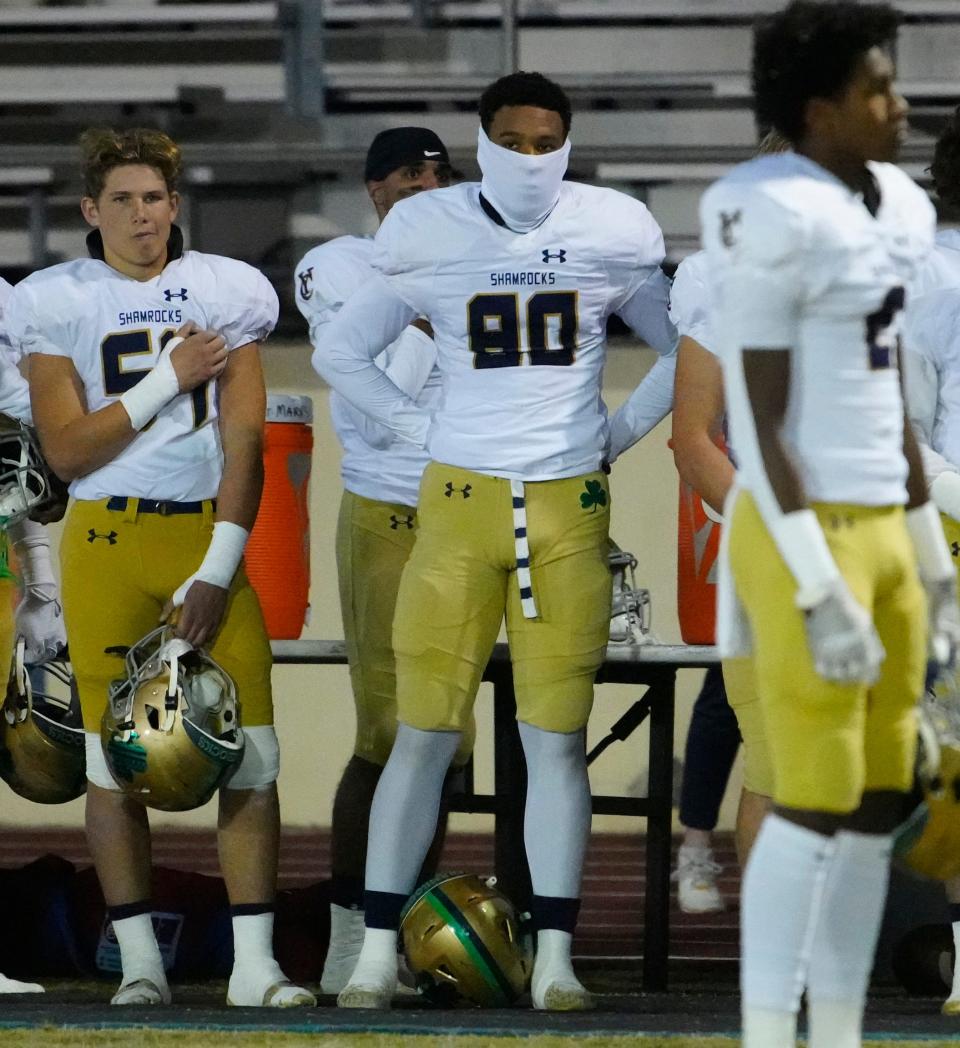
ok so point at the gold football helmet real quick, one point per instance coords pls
(928, 842)
(465, 942)
(630, 613)
(42, 753)
(25, 484)
(171, 731)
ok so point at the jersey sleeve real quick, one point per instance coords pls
(30, 329)
(756, 251)
(325, 278)
(690, 304)
(394, 255)
(246, 304)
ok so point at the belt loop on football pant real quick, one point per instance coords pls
(522, 547)
(209, 512)
(131, 510)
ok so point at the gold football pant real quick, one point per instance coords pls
(461, 579)
(741, 689)
(829, 742)
(119, 568)
(374, 541)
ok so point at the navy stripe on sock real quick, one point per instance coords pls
(382, 909)
(129, 909)
(954, 912)
(554, 911)
(347, 892)
(251, 909)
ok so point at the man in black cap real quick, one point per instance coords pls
(377, 521)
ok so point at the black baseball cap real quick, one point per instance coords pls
(399, 146)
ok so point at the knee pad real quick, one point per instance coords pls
(260, 765)
(98, 771)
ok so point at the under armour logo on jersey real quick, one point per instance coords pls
(171, 295)
(450, 489)
(305, 276)
(406, 521)
(110, 537)
(729, 219)
(549, 256)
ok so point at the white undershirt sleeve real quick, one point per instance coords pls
(647, 313)
(647, 405)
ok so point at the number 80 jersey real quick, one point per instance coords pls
(520, 320)
(113, 328)
(798, 262)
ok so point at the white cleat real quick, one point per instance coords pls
(16, 986)
(265, 986)
(696, 877)
(142, 991)
(562, 994)
(371, 986)
(343, 952)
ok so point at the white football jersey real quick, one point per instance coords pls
(14, 391)
(113, 328)
(376, 464)
(797, 261)
(520, 320)
(691, 301)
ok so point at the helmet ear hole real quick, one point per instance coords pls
(153, 717)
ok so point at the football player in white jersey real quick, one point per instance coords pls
(932, 342)
(376, 526)
(148, 398)
(517, 275)
(835, 549)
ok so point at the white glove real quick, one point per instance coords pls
(944, 615)
(39, 619)
(939, 578)
(945, 492)
(842, 638)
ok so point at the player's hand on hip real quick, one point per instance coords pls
(201, 356)
(944, 622)
(842, 638)
(201, 610)
(39, 620)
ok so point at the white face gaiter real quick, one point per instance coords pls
(524, 189)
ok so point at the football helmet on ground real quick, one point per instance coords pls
(41, 735)
(25, 484)
(171, 731)
(465, 942)
(928, 842)
(630, 613)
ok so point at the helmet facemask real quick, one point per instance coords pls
(24, 477)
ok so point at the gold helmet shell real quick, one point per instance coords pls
(42, 751)
(464, 941)
(928, 842)
(171, 731)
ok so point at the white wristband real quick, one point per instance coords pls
(945, 492)
(929, 543)
(224, 554)
(154, 391)
(803, 546)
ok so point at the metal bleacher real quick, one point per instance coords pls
(660, 89)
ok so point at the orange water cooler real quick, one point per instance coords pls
(698, 544)
(278, 552)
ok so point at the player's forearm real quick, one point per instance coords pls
(647, 405)
(703, 466)
(86, 443)
(917, 491)
(238, 497)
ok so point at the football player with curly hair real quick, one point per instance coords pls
(834, 550)
(517, 275)
(149, 400)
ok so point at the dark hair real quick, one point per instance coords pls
(102, 149)
(524, 89)
(945, 169)
(811, 50)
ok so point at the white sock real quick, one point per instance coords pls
(846, 937)
(556, 823)
(253, 938)
(955, 992)
(782, 891)
(377, 965)
(139, 952)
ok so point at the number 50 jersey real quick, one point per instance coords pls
(113, 329)
(520, 320)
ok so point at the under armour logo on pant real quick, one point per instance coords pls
(405, 521)
(93, 535)
(450, 489)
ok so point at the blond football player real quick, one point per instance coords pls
(377, 522)
(835, 549)
(517, 275)
(148, 397)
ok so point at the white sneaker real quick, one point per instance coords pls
(695, 875)
(343, 950)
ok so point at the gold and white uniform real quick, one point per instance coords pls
(799, 263)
